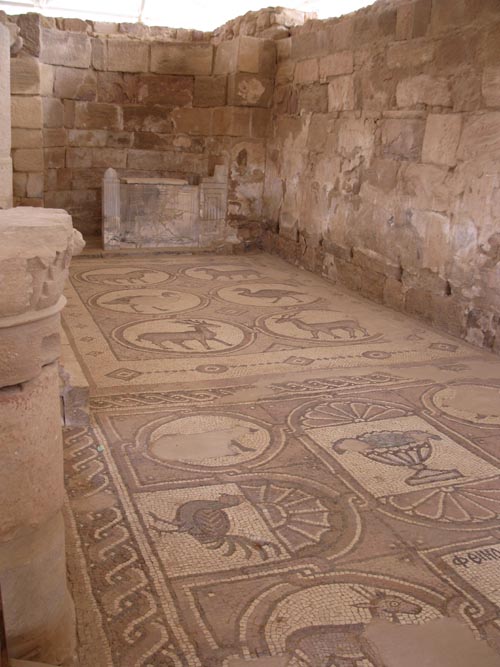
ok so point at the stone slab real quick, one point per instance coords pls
(181, 58)
(71, 49)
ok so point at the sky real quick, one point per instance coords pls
(197, 14)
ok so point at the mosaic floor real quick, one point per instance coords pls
(275, 469)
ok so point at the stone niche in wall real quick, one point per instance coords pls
(166, 212)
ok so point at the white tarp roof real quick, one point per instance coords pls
(196, 14)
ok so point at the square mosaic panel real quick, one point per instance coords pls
(391, 457)
(206, 528)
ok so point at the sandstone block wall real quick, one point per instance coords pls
(365, 148)
(145, 101)
(383, 168)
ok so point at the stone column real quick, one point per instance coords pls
(36, 246)
(5, 132)
(111, 209)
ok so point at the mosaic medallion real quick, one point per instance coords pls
(183, 336)
(222, 272)
(265, 294)
(478, 404)
(125, 276)
(315, 325)
(208, 440)
(324, 624)
(146, 301)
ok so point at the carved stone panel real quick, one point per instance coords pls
(165, 212)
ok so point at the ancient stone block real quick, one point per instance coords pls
(413, 19)
(127, 55)
(246, 54)
(54, 158)
(34, 185)
(423, 89)
(119, 139)
(26, 112)
(22, 138)
(306, 71)
(71, 49)
(260, 126)
(442, 134)
(173, 91)
(181, 58)
(427, 185)
(28, 159)
(76, 25)
(249, 90)
(46, 79)
(310, 44)
(75, 84)
(19, 181)
(284, 72)
(54, 137)
(232, 121)
(283, 49)
(99, 53)
(79, 158)
(192, 121)
(210, 91)
(318, 132)
(402, 138)
(69, 113)
(409, 54)
(53, 112)
(153, 141)
(87, 138)
(30, 25)
(98, 116)
(147, 118)
(491, 86)
(383, 174)
(356, 136)
(480, 137)
(105, 28)
(256, 56)
(341, 95)
(226, 57)
(488, 48)
(109, 157)
(138, 30)
(112, 88)
(335, 64)
(146, 160)
(313, 98)
(466, 89)
(24, 75)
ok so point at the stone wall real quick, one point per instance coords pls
(145, 101)
(383, 169)
(377, 135)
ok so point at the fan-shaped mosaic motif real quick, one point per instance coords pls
(297, 517)
(473, 502)
(330, 413)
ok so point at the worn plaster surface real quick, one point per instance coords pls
(277, 472)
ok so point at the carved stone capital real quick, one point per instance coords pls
(36, 249)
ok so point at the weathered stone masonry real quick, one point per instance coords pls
(378, 135)
(145, 101)
(383, 170)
